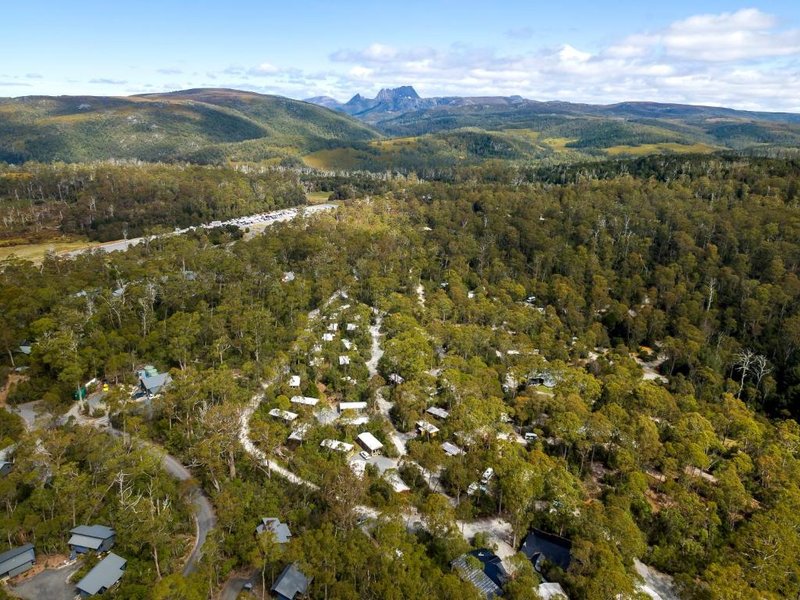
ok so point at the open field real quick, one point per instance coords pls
(558, 144)
(336, 158)
(36, 252)
(317, 197)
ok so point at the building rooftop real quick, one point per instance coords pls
(291, 583)
(552, 591)
(305, 400)
(104, 575)
(438, 412)
(300, 433)
(154, 383)
(369, 441)
(14, 552)
(428, 428)
(283, 414)
(281, 530)
(336, 445)
(452, 449)
(488, 579)
(352, 406)
(100, 532)
(540, 545)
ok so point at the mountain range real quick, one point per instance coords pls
(397, 129)
(390, 103)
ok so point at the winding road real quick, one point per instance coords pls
(203, 511)
(204, 516)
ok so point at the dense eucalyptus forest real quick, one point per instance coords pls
(638, 322)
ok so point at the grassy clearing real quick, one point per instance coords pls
(559, 144)
(660, 148)
(337, 158)
(401, 142)
(36, 252)
(317, 197)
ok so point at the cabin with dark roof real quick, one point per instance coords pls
(91, 538)
(17, 560)
(540, 546)
(5, 467)
(105, 575)
(290, 584)
(489, 577)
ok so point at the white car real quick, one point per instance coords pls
(364, 454)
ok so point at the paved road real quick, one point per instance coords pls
(204, 516)
(50, 584)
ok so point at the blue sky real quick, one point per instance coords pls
(710, 52)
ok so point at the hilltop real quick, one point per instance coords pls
(200, 125)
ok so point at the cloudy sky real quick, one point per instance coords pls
(700, 52)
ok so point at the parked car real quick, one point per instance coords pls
(364, 454)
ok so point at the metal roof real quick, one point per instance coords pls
(352, 406)
(154, 383)
(281, 530)
(336, 445)
(85, 541)
(291, 582)
(283, 414)
(438, 412)
(476, 577)
(14, 557)
(100, 532)
(104, 575)
(370, 441)
(427, 427)
(307, 400)
(452, 449)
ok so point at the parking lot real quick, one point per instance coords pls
(50, 584)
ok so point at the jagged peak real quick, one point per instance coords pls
(390, 94)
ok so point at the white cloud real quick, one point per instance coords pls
(360, 72)
(745, 34)
(264, 68)
(568, 54)
(742, 59)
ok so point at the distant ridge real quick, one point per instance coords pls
(391, 101)
(197, 125)
(216, 125)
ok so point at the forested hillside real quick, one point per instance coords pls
(113, 201)
(619, 342)
(201, 126)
